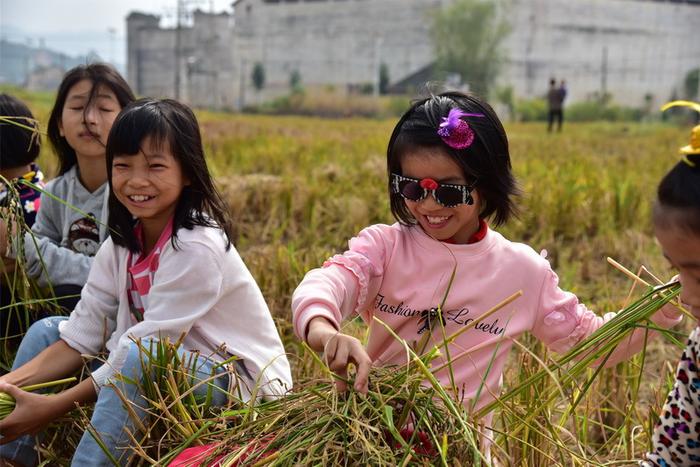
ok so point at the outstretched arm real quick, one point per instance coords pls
(57, 361)
(563, 322)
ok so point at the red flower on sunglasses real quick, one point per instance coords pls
(428, 184)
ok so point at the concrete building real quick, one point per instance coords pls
(635, 50)
(192, 63)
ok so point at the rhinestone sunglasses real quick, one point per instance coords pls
(447, 195)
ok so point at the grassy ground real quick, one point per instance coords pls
(299, 188)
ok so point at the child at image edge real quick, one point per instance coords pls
(449, 171)
(167, 269)
(676, 438)
(19, 147)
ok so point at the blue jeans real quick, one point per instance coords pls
(110, 418)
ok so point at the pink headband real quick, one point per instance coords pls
(454, 131)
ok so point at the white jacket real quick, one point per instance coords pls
(199, 289)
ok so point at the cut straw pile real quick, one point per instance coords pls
(407, 417)
(399, 422)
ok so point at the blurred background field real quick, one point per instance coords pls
(300, 187)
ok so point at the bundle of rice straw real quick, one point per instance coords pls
(400, 421)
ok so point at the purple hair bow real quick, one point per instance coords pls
(454, 131)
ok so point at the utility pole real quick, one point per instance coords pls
(112, 36)
(604, 75)
(178, 25)
(377, 64)
(241, 93)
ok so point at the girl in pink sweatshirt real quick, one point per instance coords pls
(449, 172)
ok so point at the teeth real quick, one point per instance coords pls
(139, 198)
(436, 220)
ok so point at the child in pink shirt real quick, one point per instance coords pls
(449, 171)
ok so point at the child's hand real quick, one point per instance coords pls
(31, 414)
(670, 314)
(340, 351)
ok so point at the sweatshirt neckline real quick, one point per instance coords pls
(461, 249)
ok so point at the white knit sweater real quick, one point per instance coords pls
(199, 289)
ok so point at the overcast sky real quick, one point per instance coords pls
(77, 27)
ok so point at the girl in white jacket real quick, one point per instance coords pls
(167, 269)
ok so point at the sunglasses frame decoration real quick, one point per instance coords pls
(430, 186)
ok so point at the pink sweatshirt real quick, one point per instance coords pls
(399, 274)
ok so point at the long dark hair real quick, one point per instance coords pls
(486, 162)
(678, 196)
(100, 74)
(168, 121)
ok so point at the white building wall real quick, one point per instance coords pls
(650, 46)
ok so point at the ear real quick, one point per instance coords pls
(60, 128)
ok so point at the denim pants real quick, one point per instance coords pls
(110, 418)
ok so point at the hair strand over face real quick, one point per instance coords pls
(168, 121)
(99, 74)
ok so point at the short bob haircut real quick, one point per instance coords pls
(165, 121)
(678, 197)
(100, 74)
(18, 146)
(486, 163)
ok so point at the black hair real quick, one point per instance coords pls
(486, 162)
(678, 197)
(18, 146)
(168, 121)
(100, 74)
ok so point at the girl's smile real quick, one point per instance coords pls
(457, 223)
(149, 185)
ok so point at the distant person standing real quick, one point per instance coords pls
(562, 91)
(555, 100)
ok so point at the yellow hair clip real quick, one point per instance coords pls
(694, 146)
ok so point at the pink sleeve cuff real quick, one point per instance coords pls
(302, 319)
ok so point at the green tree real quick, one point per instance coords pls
(383, 78)
(691, 84)
(258, 76)
(295, 82)
(467, 36)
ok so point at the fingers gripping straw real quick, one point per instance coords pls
(7, 402)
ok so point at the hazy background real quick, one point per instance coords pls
(82, 27)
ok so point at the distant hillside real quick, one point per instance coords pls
(22, 64)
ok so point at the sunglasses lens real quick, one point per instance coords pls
(448, 195)
(411, 190)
